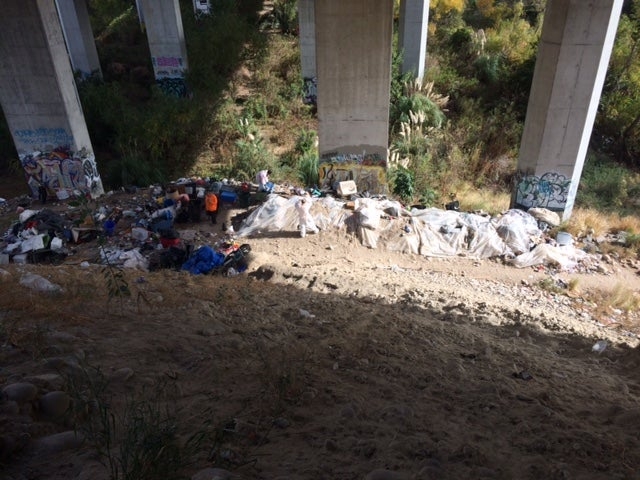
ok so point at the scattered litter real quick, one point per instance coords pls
(523, 375)
(600, 346)
(306, 314)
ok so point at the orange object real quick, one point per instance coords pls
(211, 202)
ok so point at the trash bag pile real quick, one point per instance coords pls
(517, 236)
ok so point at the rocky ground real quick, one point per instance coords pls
(324, 360)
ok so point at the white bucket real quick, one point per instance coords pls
(62, 194)
(564, 238)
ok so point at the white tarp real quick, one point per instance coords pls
(430, 232)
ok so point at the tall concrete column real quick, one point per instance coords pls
(353, 55)
(573, 55)
(307, 38)
(78, 34)
(165, 34)
(412, 35)
(40, 102)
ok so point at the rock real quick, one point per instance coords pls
(55, 404)
(20, 392)
(46, 381)
(385, 475)
(212, 474)
(348, 411)
(39, 284)
(9, 408)
(331, 445)
(58, 442)
(122, 374)
(280, 422)
(545, 215)
(67, 365)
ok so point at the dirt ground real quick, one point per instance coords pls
(324, 360)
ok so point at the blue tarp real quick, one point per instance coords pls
(203, 260)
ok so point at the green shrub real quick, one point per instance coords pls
(132, 168)
(308, 169)
(403, 183)
(607, 186)
(285, 16)
(256, 108)
(306, 142)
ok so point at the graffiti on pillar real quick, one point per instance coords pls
(368, 171)
(169, 72)
(310, 91)
(42, 137)
(201, 7)
(549, 190)
(62, 173)
(173, 86)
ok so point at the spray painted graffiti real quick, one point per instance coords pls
(41, 137)
(367, 159)
(550, 190)
(169, 73)
(168, 67)
(201, 7)
(368, 171)
(176, 87)
(310, 91)
(62, 173)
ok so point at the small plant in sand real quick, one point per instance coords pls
(136, 439)
(558, 286)
(116, 283)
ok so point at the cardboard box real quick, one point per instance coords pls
(347, 188)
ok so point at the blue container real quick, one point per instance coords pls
(109, 227)
(228, 197)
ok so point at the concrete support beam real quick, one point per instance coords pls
(354, 76)
(40, 101)
(412, 35)
(307, 36)
(165, 34)
(78, 34)
(573, 55)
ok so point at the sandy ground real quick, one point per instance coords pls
(325, 360)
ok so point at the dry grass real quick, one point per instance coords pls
(487, 200)
(588, 220)
(616, 305)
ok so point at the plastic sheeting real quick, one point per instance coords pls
(430, 232)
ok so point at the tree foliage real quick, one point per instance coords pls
(618, 121)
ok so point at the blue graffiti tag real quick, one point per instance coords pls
(310, 91)
(41, 137)
(550, 190)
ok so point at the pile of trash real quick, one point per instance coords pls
(519, 237)
(131, 231)
(142, 229)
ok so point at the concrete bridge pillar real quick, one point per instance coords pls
(307, 38)
(40, 101)
(573, 55)
(412, 35)
(165, 34)
(78, 34)
(353, 56)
